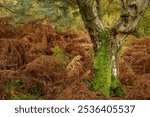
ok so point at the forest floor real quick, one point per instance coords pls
(38, 62)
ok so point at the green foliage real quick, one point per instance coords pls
(36, 90)
(10, 85)
(62, 13)
(59, 54)
(62, 58)
(26, 97)
(14, 87)
(143, 28)
(110, 11)
(65, 14)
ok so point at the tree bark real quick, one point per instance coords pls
(91, 20)
(102, 68)
(126, 25)
(99, 11)
(107, 47)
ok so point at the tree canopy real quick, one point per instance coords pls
(65, 13)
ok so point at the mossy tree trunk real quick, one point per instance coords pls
(107, 45)
(102, 68)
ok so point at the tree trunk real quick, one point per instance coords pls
(126, 25)
(107, 47)
(115, 54)
(102, 68)
(99, 12)
(91, 20)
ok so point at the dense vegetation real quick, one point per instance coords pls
(46, 53)
(65, 14)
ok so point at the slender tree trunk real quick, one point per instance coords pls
(115, 54)
(102, 68)
(91, 20)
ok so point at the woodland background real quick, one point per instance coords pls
(46, 53)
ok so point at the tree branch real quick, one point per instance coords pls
(131, 16)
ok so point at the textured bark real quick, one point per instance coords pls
(98, 6)
(106, 65)
(134, 9)
(101, 41)
(91, 20)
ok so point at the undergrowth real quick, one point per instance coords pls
(34, 61)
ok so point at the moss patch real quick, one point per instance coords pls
(104, 82)
(102, 67)
(116, 88)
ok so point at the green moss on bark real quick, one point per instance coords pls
(116, 88)
(104, 83)
(102, 67)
